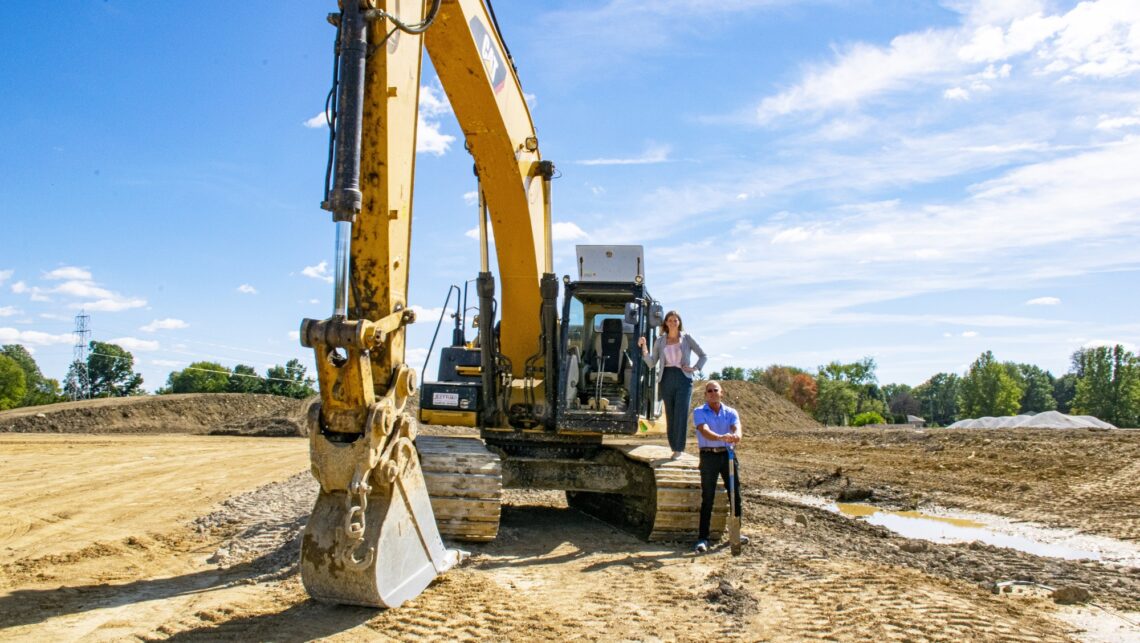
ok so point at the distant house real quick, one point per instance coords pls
(915, 421)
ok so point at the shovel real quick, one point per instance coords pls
(733, 499)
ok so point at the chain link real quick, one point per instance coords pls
(353, 529)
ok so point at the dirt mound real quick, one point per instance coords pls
(759, 407)
(194, 413)
(271, 415)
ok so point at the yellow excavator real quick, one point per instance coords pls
(549, 394)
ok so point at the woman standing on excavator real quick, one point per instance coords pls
(676, 347)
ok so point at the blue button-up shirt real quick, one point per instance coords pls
(722, 423)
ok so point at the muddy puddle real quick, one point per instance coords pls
(948, 526)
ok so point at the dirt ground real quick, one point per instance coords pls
(154, 533)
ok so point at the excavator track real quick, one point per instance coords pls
(667, 502)
(465, 482)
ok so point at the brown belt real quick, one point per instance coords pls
(713, 449)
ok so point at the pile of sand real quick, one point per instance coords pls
(1046, 420)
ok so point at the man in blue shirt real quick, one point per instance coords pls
(718, 426)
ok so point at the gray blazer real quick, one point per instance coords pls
(688, 347)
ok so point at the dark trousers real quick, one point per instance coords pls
(676, 391)
(713, 466)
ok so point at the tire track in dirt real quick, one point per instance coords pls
(871, 602)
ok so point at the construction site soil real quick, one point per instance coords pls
(179, 517)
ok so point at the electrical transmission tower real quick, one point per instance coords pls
(79, 358)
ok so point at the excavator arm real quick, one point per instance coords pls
(372, 538)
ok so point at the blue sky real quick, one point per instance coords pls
(912, 181)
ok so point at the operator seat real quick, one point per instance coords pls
(610, 346)
(573, 375)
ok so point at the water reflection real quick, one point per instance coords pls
(946, 526)
(940, 529)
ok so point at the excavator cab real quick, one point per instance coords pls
(605, 386)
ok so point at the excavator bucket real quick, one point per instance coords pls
(379, 552)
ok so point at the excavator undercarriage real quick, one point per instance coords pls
(637, 486)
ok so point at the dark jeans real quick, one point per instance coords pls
(713, 466)
(676, 391)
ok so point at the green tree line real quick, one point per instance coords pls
(109, 371)
(210, 377)
(1103, 382)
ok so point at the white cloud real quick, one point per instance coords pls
(319, 271)
(320, 120)
(135, 344)
(1043, 301)
(433, 102)
(969, 333)
(168, 363)
(473, 233)
(652, 154)
(1109, 124)
(845, 128)
(1094, 39)
(164, 324)
(426, 314)
(416, 356)
(247, 289)
(314, 301)
(471, 198)
(77, 284)
(294, 335)
(8, 311)
(790, 235)
(430, 140)
(863, 71)
(82, 289)
(956, 93)
(5, 275)
(110, 305)
(992, 42)
(566, 231)
(1097, 343)
(1023, 216)
(994, 73)
(69, 273)
(34, 338)
(1099, 39)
